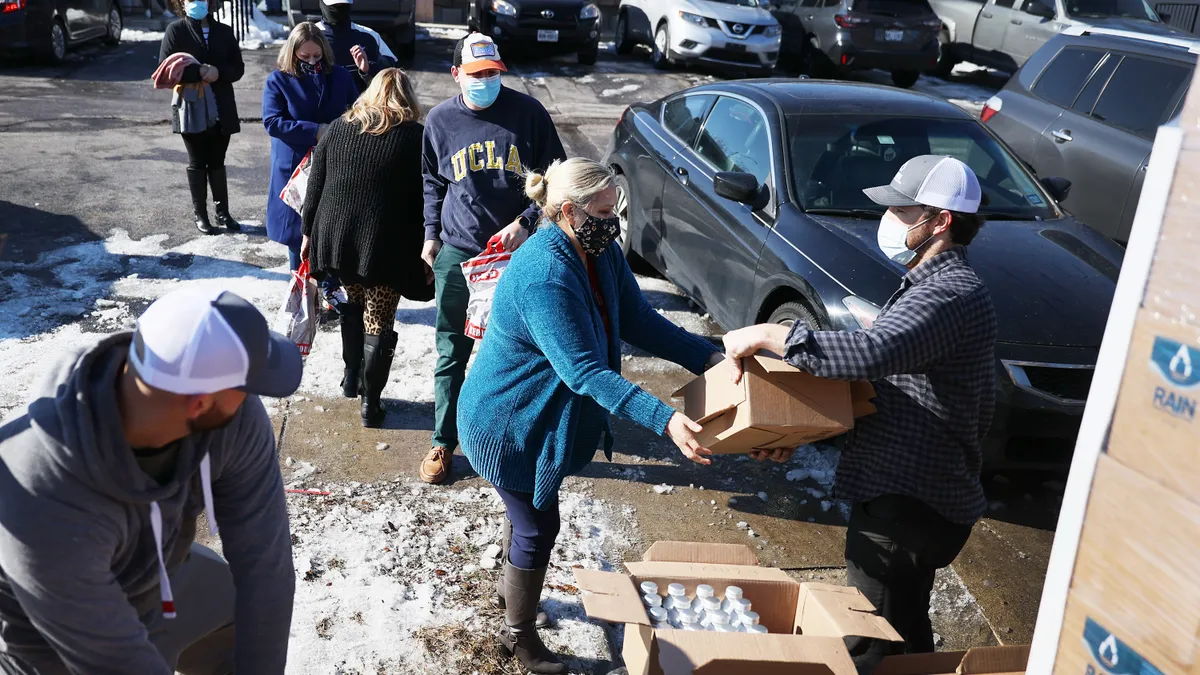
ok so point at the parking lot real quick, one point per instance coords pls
(93, 200)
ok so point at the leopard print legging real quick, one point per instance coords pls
(379, 306)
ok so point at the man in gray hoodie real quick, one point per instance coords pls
(101, 482)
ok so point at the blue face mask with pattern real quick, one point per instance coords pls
(196, 9)
(481, 92)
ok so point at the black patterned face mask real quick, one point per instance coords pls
(595, 234)
(307, 68)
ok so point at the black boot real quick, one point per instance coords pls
(198, 186)
(352, 349)
(543, 619)
(220, 193)
(378, 351)
(519, 637)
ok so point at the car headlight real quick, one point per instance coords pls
(863, 312)
(772, 31)
(504, 8)
(589, 12)
(693, 18)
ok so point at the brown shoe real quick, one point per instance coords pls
(436, 465)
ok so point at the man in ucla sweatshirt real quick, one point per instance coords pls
(478, 146)
(102, 478)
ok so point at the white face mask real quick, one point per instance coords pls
(893, 238)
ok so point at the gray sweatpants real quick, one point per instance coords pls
(199, 640)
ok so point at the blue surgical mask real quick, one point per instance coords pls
(196, 9)
(482, 92)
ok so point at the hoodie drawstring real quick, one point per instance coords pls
(156, 524)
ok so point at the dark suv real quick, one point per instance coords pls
(49, 27)
(549, 26)
(831, 36)
(1086, 107)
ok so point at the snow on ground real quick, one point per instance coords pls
(384, 569)
(134, 35)
(429, 31)
(262, 31)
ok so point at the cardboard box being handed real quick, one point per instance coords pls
(774, 406)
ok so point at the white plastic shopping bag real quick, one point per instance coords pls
(483, 273)
(298, 317)
(297, 186)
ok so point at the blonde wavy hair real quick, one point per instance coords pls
(577, 180)
(302, 33)
(389, 101)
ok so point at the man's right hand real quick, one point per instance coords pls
(430, 252)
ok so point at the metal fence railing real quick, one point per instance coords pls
(239, 14)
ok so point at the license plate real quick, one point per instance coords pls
(547, 36)
(736, 48)
(893, 35)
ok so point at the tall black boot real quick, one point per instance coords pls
(378, 351)
(352, 349)
(519, 637)
(543, 619)
(220, 192)
(198, 186)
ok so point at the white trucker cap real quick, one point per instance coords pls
(931, 180)
(205, 340)
(479, 52)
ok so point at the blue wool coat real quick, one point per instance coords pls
(536, 404)
(292, 109)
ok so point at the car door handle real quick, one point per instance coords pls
(1062, 135)
(682, 174)
(985, 15)
(1015, 22)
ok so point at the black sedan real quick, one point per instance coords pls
(748, 196)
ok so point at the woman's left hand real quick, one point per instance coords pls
(211, 74)
(360, 59)
(304, 248)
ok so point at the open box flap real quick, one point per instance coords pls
(703, 571)
(699, 552)
(686, 652)
(610, 596)
(839, 611)
(989, 660)
(717, 413)
(937, 663)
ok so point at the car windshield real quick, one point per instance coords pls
(1099, 9)
(834, 157)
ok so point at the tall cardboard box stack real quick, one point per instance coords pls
(1133, 604)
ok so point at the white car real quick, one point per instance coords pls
(734, 33)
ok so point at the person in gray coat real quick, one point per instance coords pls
(102, 478)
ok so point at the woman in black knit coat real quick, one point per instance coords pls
(363, 221)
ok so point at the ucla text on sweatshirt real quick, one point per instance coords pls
(475, 163)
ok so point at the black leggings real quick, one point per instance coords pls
(206, 151)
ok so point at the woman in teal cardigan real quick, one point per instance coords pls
(535, 407)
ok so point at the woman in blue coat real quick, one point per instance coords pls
(535, 407)
(299, 101)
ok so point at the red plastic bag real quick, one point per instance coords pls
(297, 186)
(298, 318)
(482, 274)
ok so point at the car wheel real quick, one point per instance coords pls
(789, 313)
(589, 54)
(624, 45)
(661, 56)
(54, 49)
(945, 60)
(622, 184)
(115, 25)
(905, 78)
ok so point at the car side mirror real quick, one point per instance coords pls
(1057, 186)
(740, 187)
(1040, 9)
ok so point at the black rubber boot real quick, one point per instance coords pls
(220, 193)
(352, 349)
(198, 186)
(543, 619)
(519, 637)
(378, 351)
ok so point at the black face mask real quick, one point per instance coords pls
(336, 15)
(306, 68)
(595, 234)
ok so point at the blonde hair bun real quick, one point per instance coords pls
(576, 180)
(536, 188)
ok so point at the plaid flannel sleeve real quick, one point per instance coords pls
(921, 327)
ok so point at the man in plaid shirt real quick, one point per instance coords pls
(911, 469)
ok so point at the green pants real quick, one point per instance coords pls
(453, 347)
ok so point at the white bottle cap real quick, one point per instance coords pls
(711, 604)
(658, 614)
(756, 629)
(705, 591)
(676, 590)
(748, 618)
(649, 588)
(717, 617)
(732, 593)
(687, 616)
(740, 605)
(652, 600)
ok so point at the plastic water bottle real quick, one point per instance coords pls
(747, 620)
(736, 607)
(649, 588)
(761, 630)
(658, 617)
(719, 621)
(705, 591)
(731, 593)
(677, 591)
(687, 619)
(652, 600)
(711, 606)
